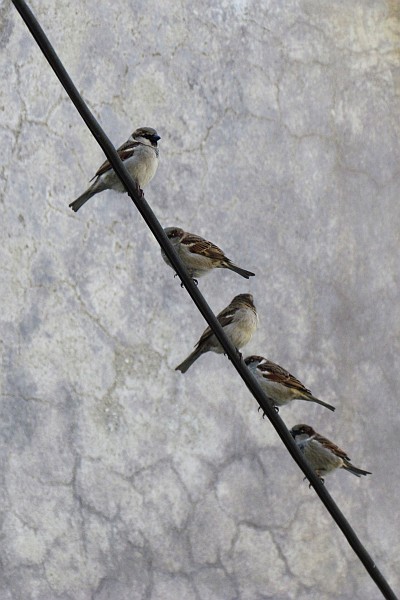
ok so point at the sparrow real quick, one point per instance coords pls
(239, 321)
(198, 255)
(139, 155)
(322, 454)
(278, 384)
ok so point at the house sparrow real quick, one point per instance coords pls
(198, 255)
(278, 384)
(139, 155)
(239, 321)
(321, 453)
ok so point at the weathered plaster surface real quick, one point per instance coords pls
(120, 478)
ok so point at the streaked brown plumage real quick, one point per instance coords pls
(199, 255)
(239, 321)
(322, 454)
(139, 155)
(279, 385)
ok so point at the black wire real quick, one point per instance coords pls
(198, 298)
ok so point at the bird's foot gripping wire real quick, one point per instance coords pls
(194, 281)
(239, 354)
(322, 480)
(276, 409)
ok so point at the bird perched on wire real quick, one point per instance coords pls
(139, 155)
(322, 454)
(239, 321)
(278, 384)
(198, 255)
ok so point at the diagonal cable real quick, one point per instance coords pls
(198, 298)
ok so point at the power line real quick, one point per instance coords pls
(197, 297)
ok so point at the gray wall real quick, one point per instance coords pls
(121, 478)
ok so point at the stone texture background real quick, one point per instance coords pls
(121, 478)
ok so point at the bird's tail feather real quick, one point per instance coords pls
(242, 272)
(355, 470)
(96, 187)
(76, 204)
(318, 401)
(184, 366)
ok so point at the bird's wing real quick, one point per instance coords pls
(278, 374)
(125, 151)
(330, 446)
(225, 317)
(198, 245)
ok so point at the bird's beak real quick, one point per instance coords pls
(155, 138)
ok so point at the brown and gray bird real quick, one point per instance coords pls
(199, 255)
(139, 155)
(239, 321)
(278, 384)
(322, 454)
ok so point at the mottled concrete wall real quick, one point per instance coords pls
(121, 478)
